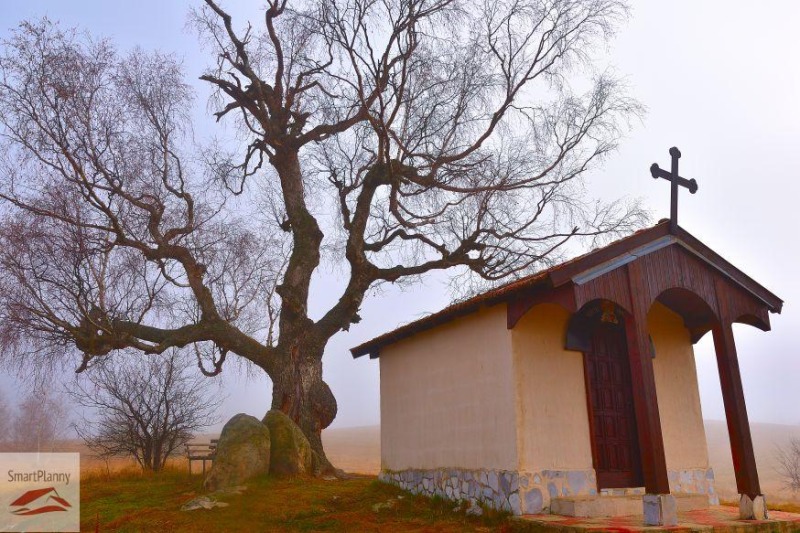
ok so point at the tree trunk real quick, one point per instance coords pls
(299, 391)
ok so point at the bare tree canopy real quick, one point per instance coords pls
(392, 137)
(40, 420)
(145, 409)
(788, 459)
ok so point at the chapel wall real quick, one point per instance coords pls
(679, 402)
(552, 414)
(447, 397)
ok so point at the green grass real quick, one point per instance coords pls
(138, 502)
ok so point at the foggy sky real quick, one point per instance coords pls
(720, 80)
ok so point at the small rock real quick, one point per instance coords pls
(378, 507)
(493, 481)
(474, 509)
(203, 502)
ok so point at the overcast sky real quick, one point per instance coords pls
(720, 80)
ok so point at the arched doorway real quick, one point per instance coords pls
(600, 328)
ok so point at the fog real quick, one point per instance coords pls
(720, 80)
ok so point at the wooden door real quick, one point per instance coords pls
(615, 443)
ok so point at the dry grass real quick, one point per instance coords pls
(136, 502)
(355, 450)
(358, 450)
(119, 497)
(765, 439)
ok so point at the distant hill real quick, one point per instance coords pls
(766, 437)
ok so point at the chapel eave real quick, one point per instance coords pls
(553, 284)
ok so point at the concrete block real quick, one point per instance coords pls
(660, 510)
(596, 506)
(753, 509)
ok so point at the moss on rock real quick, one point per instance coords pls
(290, 451)
(243, 452)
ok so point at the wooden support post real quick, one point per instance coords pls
(751, 503)
(659, 506)
(744, 461)
(648, 421)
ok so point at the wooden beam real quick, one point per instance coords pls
(744, 461)
(564, 273)
(645, 401)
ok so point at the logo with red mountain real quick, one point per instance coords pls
(39, 501)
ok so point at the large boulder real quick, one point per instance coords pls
(290, 450)
(243, 452)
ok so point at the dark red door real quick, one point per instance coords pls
(615, 444)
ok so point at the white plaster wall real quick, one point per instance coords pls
(677, 391)
(551, 394)
(447, 397)
(552, 414)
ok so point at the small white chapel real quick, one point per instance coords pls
(574, 391)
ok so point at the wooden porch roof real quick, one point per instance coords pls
(579, 270)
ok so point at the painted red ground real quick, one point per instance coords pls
(717, 519)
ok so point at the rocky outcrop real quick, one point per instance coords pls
(243, 452)
(291, 452)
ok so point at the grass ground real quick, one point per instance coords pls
(130, 501)
(117, 497)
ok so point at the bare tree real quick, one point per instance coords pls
(40, 421)
(788, 459)
(145, 409)
(5, 420)
(420, 135)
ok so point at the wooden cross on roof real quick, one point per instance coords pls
(675, 180)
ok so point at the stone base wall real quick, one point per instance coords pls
(530, 492)
(516, 492)
(538, 488)
(497, 489)
(686, 481)
(694, 481)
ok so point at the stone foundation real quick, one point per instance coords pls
(517, 492)
(497, 489)
(530, 492)
(687, 481)
(694, 481)
(538, 488)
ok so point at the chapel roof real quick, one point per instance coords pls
(597, 261)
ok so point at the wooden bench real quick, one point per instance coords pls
(201, 451)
